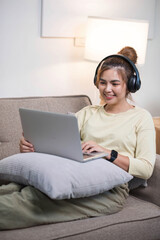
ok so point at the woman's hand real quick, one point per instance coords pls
(25, 146)
(91, 146)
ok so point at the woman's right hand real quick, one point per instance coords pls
(25, 146)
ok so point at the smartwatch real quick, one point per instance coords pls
(114, 155)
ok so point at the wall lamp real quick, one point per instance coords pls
(106, 36)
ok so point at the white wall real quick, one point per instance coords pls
(34, 66)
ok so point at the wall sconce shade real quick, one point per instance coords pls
(108, 36)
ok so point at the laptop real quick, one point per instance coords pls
(54, 133)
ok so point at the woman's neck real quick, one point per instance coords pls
(118, 108)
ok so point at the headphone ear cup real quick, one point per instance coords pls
(132, 84)
(95, 79)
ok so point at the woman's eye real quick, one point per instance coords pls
(102, 83)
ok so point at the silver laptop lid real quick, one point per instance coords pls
(52, 133)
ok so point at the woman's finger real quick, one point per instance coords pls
(88, 147)
(25, 146)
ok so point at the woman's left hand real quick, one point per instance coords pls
(91, 146)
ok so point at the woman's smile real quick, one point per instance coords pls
(109, 97)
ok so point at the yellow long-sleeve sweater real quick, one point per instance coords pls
(131, 133)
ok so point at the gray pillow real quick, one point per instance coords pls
(137, 182)
(61, 178)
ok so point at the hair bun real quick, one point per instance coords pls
(130, 53)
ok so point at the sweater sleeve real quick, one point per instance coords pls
(143, 163)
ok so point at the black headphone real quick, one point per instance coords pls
(134, 83)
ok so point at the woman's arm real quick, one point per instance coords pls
(121, 161)
(142, 163)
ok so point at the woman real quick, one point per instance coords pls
(119, 125)
(124, 131)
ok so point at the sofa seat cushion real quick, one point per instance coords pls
(133, 222)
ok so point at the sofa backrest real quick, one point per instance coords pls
(10, 125)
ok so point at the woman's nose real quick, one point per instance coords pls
(108, 88)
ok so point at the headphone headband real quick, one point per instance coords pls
(134, 83)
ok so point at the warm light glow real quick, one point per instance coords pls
(108, 36)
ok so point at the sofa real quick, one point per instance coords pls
(140, 217)
(156, 121)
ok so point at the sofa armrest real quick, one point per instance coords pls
(150, 193)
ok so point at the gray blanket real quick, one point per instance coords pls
(25, 206)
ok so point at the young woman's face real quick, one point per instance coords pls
(112, 88)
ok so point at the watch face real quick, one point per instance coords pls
(114, 155)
